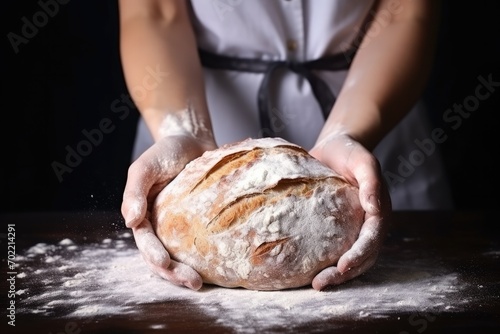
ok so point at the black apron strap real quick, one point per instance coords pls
(320, 89)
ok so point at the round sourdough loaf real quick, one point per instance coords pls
(261, 214)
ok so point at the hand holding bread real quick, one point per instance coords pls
(147, 176)
(353, 161)
(260, 214)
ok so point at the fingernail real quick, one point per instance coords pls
(129, 217)
(189, 285)
(126, 216)
(132, 214)
(194, 284)
(374, 203)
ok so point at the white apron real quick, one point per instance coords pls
(302, 30)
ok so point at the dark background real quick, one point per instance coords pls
(67, 77)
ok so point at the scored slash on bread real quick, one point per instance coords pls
(261, 214)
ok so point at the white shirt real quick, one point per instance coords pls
(302, 30)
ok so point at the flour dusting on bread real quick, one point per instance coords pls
(260, 214)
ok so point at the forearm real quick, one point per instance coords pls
(388, 73)
(160, 39)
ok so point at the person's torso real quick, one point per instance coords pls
(279, 29)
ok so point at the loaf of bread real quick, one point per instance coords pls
(261, 214)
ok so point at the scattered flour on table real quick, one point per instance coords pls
(111, 278)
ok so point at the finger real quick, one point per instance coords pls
(367, 175)
(332, 276)
(151, 248)
(368, 242)
(140, 179)
(181, 274)
(359, 167)
(158, 259)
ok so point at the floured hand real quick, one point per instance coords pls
(354, 162)
(159, 261)
(147, 176)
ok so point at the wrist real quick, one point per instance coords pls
(184, 122)
(363, 128)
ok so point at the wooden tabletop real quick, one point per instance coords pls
(438, 272)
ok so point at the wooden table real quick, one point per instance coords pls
(465, 243)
